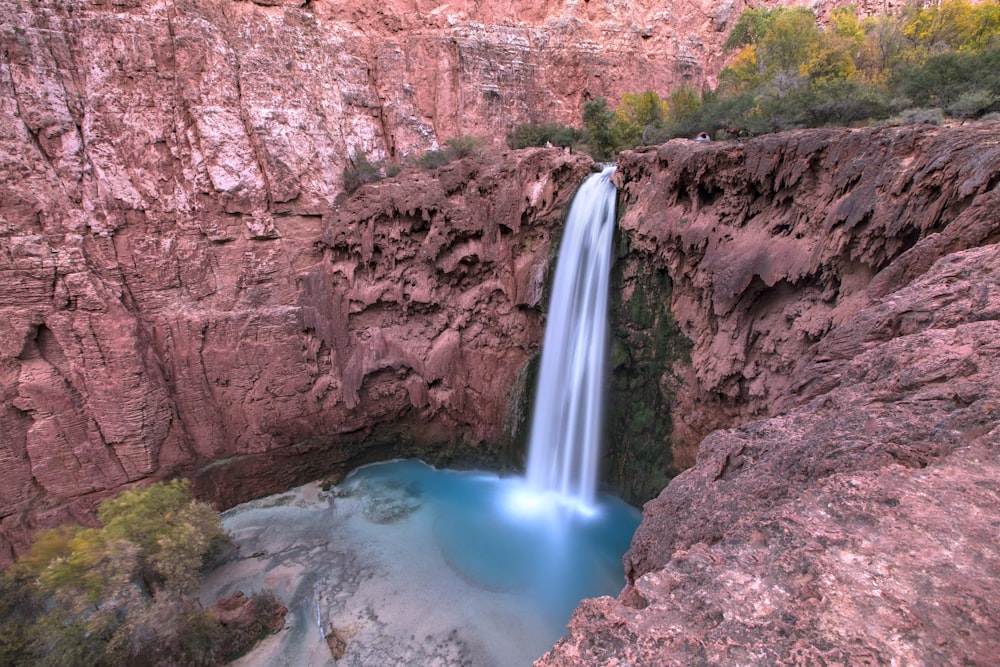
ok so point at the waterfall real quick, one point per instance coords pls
(565, 441)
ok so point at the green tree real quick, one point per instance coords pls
(637, 115)
(957, 25)
(19, 604)
(884, 47)
(789, 41)
(360, 171)
(597, 118)
(173, 533)
(123, 593)
(743, 74)
(464, 145)
(533, 134)
(751, 27)
(943, 78)
(684, 102)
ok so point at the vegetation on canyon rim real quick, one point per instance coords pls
(787, 71)
(123, 593)
(922, 65)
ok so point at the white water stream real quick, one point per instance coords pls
(566, 424)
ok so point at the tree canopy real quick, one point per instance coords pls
(121, 593)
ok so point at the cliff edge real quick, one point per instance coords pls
(842, 291)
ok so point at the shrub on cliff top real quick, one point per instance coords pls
(455, 148)
(464, 145)
(534, 134)
(360, 171)
(790, 72)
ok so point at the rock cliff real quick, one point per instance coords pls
(842, 292)
(262, 104)
(256, 360)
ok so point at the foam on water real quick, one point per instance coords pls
(497, 535)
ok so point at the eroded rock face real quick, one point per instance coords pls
(265, 102)
(845, 287)
(772, 244)
(401, 320)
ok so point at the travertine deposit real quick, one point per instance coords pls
(843, 289)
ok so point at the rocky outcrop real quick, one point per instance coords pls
(772, 244)
(253, 361)
(842, 291)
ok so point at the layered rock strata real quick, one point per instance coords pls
(273, 97)
(842, 291)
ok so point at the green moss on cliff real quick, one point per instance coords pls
(646, 343)
(517, 427)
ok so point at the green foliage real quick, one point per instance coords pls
(433, 160)
(637, 116)
(464, 146)
(790, 40)
(789, 72)
(684, 102)
(943, 78)
(19, 604)
(917, 116)
(532, 134)
(171, 630)
(63, 639)
(455, 149)
(973, 103)
(743, 74)
(362, 171)
(957, 25)
(751, 27)
(123, 593)
(173, 534)
(597, 118)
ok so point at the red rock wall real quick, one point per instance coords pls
(773, 243)
(842, 289)
(171, 339)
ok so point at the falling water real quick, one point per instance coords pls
(565, 430)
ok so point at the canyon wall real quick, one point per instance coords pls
(400, 321)
(841, 289)
(175, 333)
(263, 103)
(187, 290)
(172, 294)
